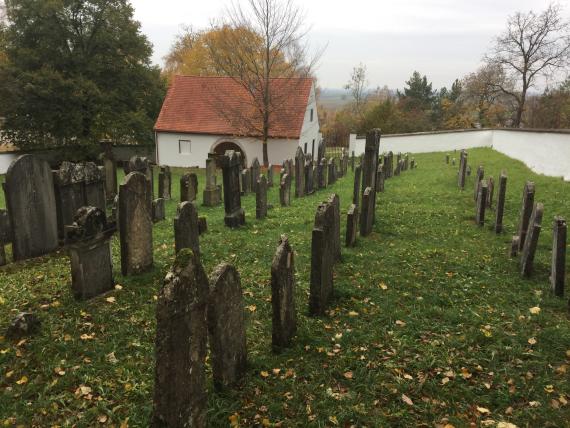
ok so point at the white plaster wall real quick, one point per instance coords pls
(5, 161)
(310, 129)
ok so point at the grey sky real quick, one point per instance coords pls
(444, 39)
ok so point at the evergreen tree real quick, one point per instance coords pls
(418, 92)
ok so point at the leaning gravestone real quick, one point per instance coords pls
(88, 241)
(322, 260)
(135, 224)
(558, 271)
(351, 225)
(531, 240)
(212, 193)
(285, 191)
(481, 203)
(186, 229)
(165, 183)
(502, 193)
(255, 172)
(299, 173)
(284, 321)
(261, 197)
(226, 326)
(188, 187)
(180, 397)
(30, 201)
(525, 212)
(235, 216)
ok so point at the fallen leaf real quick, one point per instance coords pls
(111, 358)
(400, 323)
(102, 419)
(110, 299)
(333, 420)
(82, 390)
(549, 389)
(534, 310)
(444, 380)
(407, 400)
(348, 375)
(118, 287)
(233, 420)
(534, 403)
(483, 410)
(506, 425)
(23, 380)
(383, 286)
(532, 341)
(251, 308)
(264, 374)
(353, 314)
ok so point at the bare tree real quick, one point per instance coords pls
(357, 87)
(533, 45)
(271, 45)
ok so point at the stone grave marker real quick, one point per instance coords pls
(246, 181)
(186, 228)
(334, 201)
(270, 175)
(531, 240)
(490, 192)
(370, 169)
(356, 187)
(158, 210)
(299, 173)
(165, 183)
(366, 208)
(69, 193)
(5, 235)
(110, 168)
(481, 203)
(212, 195)
(261, 198)
(331, 172)
(322, 260)
(558, 271)
(501, 195)
(478, 178)
(308, 171)
(285, 191)
(188, 187)
(284, 320)
(380, 178)
(525, 212)
(323, 174)
(351, 225)
(255, 171)
(235, 215)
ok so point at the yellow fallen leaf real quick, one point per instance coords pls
(483, 410)
(333, 420)
(102, 419)
(10, 373)
(23, 380)
(265, 422)
(532, 341)
(348, 375)
(118, 287)
(534, 403)
(353, 314)
(407, 376)
(125, 423)
(86, 336)
(535, 310)
(444, 380)
(506, 425)
(110, 299)
(233, 420)
(276, 371)
(264, 373)
(549, 389)
(400, 323)
(82, 390)
(383, 286)
(251, 308)
(465, 373)
(407, 400)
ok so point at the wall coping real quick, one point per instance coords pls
(455, 131)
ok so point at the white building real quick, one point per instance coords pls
(202, 115)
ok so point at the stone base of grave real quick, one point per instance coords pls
(235, 219)
(91, 268)
(213, 197)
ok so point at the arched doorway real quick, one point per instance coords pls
(220, 150)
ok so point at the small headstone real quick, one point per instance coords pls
(380, 179)
(158, 210)
(261, 197)
(284, 321)
(468, 171)
(447, 159)
(525, 212)
(235, 215)
(226, 326)
(245, 181)
(180, 397)
(186, 228)
(366, 213)
(351, 225)
(110, 168)
(490, 191)
(212, 195)
(255, 171)
(356, 187)
(501, 195)
(481, 203)
(514, 246)
(285, 191)
(558, 271)
(188, 187)
(23, 325)
(531, 240)
(165, 183)
(453, 161)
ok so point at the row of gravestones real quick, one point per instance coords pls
(525, 241)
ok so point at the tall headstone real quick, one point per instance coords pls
(261, 197)
(356, 187)
(30, 201)
(284, 320)
(188, 187)
(558, 271)
(69, 193)
(308, 171)
(165, 183)
(94, 186)
(235, 215)
(110, 167)
(322, 260)
(352, 161)
(180, 394)
(285, 190)
(186, 228)
(299, 173)
(351, 225)
(462, 175)
(531, 240)
(226, 326)
(334, 201)
(135, 224)
(212, 195)
(255, 171)
(525, 212)
(370, 167)
(481, 203)
(366, 210)
(331, 172)
(501, 196)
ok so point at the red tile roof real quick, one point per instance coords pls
(221, 106)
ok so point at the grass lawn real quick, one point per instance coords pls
(430, 324)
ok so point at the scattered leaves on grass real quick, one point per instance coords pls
(407, 400)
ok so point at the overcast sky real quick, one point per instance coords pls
(444, 39)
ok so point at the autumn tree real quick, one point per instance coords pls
(533, 45)
(357, 88)
(280, 51)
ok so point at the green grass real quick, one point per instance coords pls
(428, 306)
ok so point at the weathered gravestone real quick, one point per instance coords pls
(490, 191)
(462, 175)
(453, 161)
(110, 167)
(525, 212)
(95, 186)
(284, 320)
(315, 183)
(366, 212)
(478, 179)
(352, 161)
(165, 183)
(142, 165)
(334, 201)
(370, 168)
(261, 198)
(501, 195)
(180, 397)
(135, 224)
(308, 171)
(5, 235)
(389, 163)
(331, 172)
(270, 175)
(158, 210)
(69, 194)
(351, 225)
(285, 190)
(212, 194)
(356, 187)
(380, 179)
(235, 215)
(188, 187)
(30, 201)
(255, 170)
(186, 228)
(447, 159)
(322, 259)
(558, 268)
(531, 240)
(90, 253)
(299, 173)
(245, 181)
(226, 326)
(323, 174)
(481, 203)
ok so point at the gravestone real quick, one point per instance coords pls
(110, 168)
(406, 162)
(188, 187)
(261, 198)
(284, 320)
(468, 170)
(389, 162)
(180, 397)
(94, 185)
(501, 195)
(299, 173)
(135, 224)
(334, 201)
(370, 168)
(531, 240)
(212, 195)
(413, 164)
(462, 170)
(323, 174)
(525, 212)
(30, 200)
(142, 165)
(453, 161)
(235, 215)
(158, 210)
(90, 253)
(356, 187)
(308, 171)
(352, 161)
(315, 181)
(514, 246)
(165, 183)
(255, 171)
(366, 210)
(478, 178)
(322, 260)
(558, 268)
(5, 235)
(490, 191)
(380, 179)
(270, 175)
(245, 181)
(331, 172)
(186, 228)
(481, 203)
(226, 326)
(351, 225)
(285, 190)
(69, 194)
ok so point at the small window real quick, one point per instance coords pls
(184, 147)
(305, 148)
(311, 115)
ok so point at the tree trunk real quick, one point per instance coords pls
(265, 155)
(520, 109)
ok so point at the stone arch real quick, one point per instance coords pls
(223, 144)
